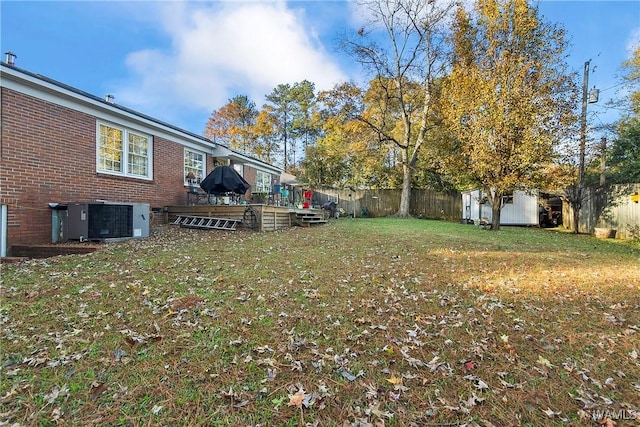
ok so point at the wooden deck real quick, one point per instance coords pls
(253, 216)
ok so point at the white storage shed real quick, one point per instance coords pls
(519, 208)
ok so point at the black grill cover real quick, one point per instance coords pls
(224, 179)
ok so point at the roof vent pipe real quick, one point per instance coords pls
(110, 98)
(11, 58)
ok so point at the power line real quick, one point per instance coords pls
(613, 108)
(622, 83)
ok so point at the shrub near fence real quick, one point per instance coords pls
(424, 203)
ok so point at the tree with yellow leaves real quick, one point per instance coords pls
(624, 156)
(349, 152)
(508, 100)
(232, 124)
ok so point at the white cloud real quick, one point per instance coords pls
(223, 49)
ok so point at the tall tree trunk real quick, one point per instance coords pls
(410, 159)
(575, 207)
(405, 198)
(407, 174)
(495, 215)
(495, 199)
(575, 197)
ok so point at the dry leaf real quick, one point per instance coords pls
(544, 362)
(297, 399)
(550, 413)
(55, 393)
(374, 409)
(97, 389)
(395, 380)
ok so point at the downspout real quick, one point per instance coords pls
(3, 230)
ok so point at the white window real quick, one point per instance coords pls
(263, 182)
(193, 164)
(239, 168)
(507, 199)
(123, 151)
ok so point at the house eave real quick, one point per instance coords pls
(45, 88)
(51, 90)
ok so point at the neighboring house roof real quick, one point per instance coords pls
(288, 179)
(38, 81)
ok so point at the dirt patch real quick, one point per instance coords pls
(186, 302)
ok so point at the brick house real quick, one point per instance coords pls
(62, 145)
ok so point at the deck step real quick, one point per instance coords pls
(309, 218)
(206, 222)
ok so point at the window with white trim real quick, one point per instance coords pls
(193, 163)
(239, 167)
(263, 182)
(123, 151)
(507, 199)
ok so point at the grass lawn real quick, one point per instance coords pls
(366, 322)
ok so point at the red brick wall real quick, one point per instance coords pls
(48, 154)
(251, 176)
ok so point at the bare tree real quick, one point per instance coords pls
(403, 44)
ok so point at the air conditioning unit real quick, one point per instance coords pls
(107, 221)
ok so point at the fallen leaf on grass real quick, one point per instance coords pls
(544, 362)
(474, 401)
(169, 314)
(56, 414)
(550, 412)
(241, 404)
(231, 395)
(297, 398)
(119, 353)
(348, 375)
(374, 409)
(395, 380)
(477, 382)
(133, 338)
(97, 389)
(55, 393)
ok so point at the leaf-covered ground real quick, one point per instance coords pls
(377, 322)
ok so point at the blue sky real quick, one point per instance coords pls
(179, 61)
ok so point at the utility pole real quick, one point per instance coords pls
(603, 159)
(285, 140)
(583, 122)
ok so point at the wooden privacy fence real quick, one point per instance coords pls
(615, 209)
(429, 204)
